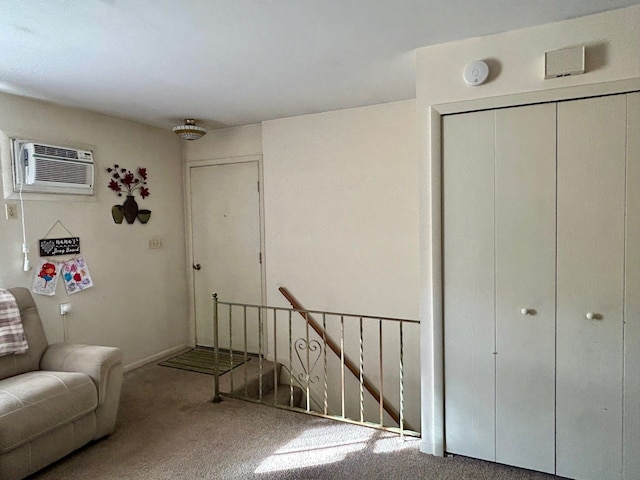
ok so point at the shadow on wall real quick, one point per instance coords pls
(495, 68)
(596, 56)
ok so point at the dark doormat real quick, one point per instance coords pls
(201, 360)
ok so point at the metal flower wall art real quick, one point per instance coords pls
(125, 182)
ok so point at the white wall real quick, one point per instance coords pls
(341, 219)
(226, 143)
(139, 301)
(517, 62)
(341, 209)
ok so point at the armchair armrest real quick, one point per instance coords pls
(92, 360)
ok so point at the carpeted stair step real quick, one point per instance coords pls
(244, 381)
(283, 396)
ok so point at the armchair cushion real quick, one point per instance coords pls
(94, 361)
(35, 403)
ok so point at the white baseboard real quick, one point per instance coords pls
(155, 357)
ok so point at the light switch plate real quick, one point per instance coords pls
(155, 243)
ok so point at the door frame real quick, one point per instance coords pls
(189, 230)
(431, 256)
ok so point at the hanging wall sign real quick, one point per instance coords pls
(50, 247)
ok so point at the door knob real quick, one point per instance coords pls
(527, 311)
(593, 316)
(197, 266)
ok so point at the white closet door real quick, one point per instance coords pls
(469, 283)
(525, 286)
(632, 296)
(591, 220)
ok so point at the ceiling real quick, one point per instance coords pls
(237, 62)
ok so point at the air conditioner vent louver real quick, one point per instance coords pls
(66, 172)
(55, 151)
(40, 168)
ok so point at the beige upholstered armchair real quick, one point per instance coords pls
(53, 398)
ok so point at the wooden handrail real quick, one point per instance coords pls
(393, 413)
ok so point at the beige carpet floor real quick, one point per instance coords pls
(169, 430)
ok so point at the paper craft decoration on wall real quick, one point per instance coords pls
(46, 277)
(75, 274)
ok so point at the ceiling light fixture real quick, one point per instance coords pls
(189, 131)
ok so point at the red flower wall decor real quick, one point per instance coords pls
(125, 181)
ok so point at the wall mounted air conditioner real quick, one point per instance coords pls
(44, 168)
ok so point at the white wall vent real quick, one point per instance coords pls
(52, 169)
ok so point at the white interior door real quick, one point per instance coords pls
(469, 284)
(591, 248)
(225, 218)
(525, 286)
(631, 442)
(499, 258)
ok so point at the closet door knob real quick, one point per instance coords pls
(593, 316)
(527, 311)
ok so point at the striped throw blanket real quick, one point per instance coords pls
(12, 339)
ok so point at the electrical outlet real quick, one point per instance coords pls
(155, 243)
(11, 211)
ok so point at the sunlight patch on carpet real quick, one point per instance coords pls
(317, 446)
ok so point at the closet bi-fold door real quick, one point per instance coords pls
(469, 283)
(499, 294)
(632, 296)
(590, 283)
(525, 212)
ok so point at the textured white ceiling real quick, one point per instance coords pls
(235, 62)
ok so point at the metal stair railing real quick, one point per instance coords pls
(351, 366)
(305, 347)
